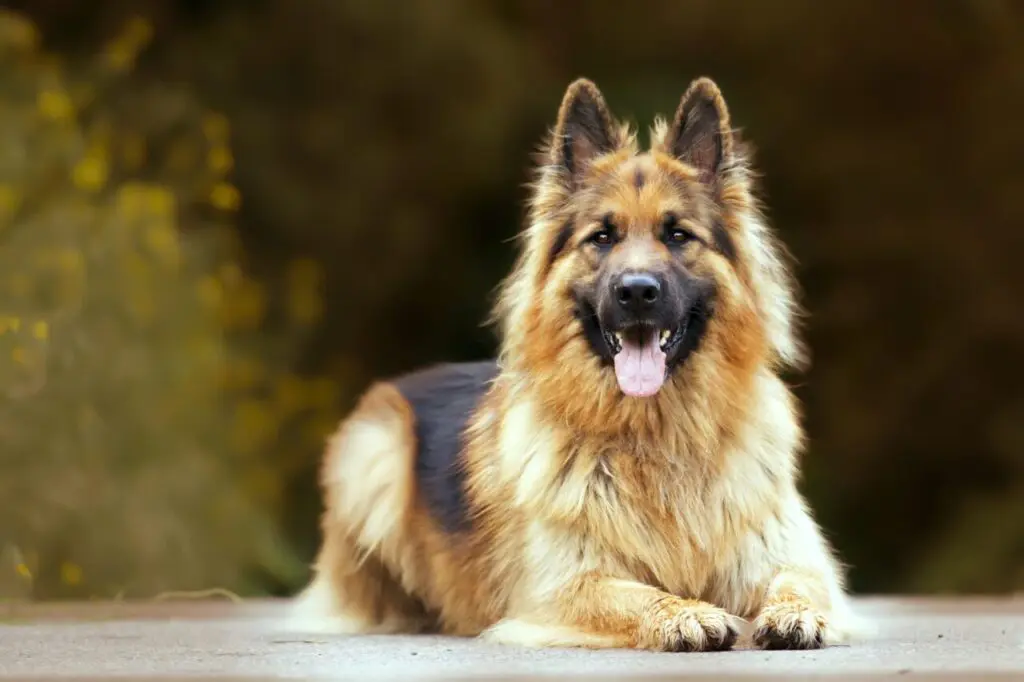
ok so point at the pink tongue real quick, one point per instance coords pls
(640, 369)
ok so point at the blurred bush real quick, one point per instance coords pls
(132, 398)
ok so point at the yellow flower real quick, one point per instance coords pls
(130, 200)
(55, 105)
(91, 172)
(18, 32)
(23, 571)
(122, 52)
(41, 330)
(159, 201)
(11, 323)
(19, 355)
(70, 574)
(220, 160)
(9, 201)
(225, 196)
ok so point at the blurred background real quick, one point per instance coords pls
(220, 220)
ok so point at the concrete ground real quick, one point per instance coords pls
(922, 638)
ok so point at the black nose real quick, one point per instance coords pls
(638, 292)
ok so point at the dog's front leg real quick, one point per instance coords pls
(597, 611)
(803, 604)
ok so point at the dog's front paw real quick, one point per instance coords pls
(682, 625)
(790, 625)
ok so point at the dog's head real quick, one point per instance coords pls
(640, 257)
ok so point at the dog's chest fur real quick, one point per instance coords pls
(676, 524)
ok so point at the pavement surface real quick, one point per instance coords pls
(924, 639)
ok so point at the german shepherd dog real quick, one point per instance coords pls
(625, 474)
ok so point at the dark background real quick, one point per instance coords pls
(380, 150)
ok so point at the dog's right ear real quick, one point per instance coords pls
(584, 128)
(700, 134)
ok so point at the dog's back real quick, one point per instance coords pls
(442, 399)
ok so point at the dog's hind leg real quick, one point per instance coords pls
(354, 595)
(367, 480)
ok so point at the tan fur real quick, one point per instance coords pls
(601, 521)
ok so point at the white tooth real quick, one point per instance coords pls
(618, 337)
(664, 336)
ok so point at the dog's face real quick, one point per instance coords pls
(643, 253)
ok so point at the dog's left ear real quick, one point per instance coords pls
(700, 134)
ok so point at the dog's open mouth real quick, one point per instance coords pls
(641, 352)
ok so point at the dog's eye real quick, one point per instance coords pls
(673, 234)
(604, 236)
(678, 236)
